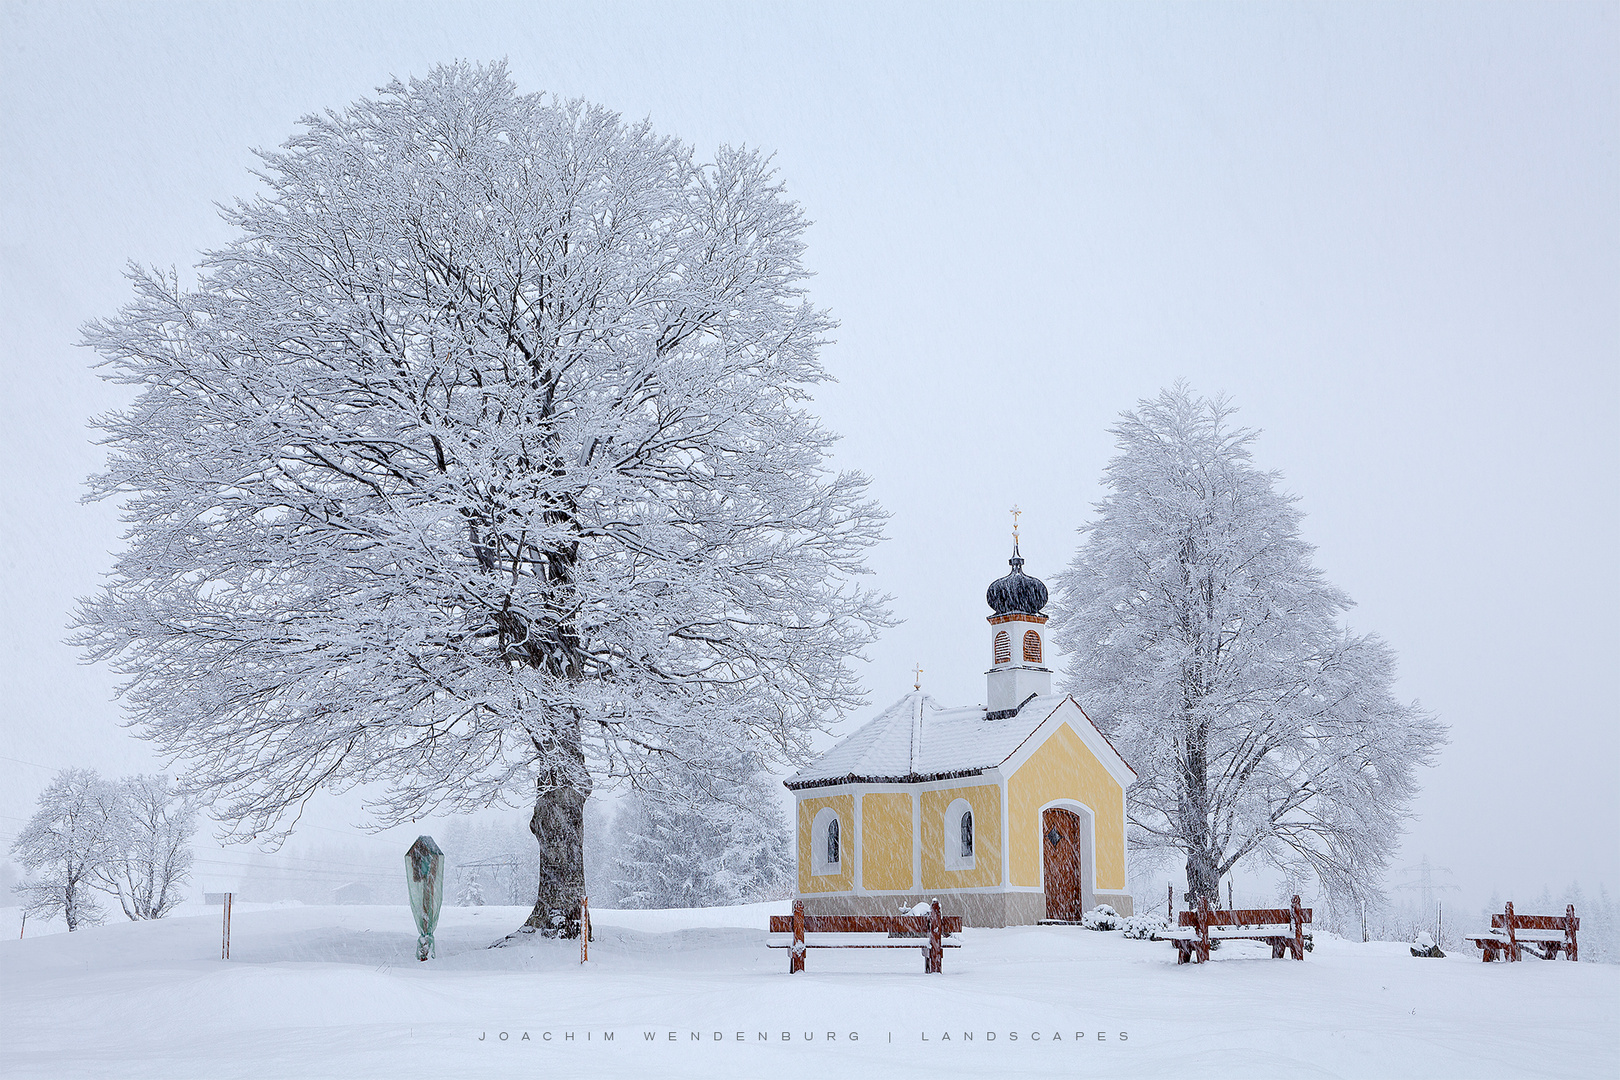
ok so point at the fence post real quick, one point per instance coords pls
(1570, 923)
(1170, 903)
(1513, 940)
(936, 947)
(1298, 919)
(1203, 929)
(584, 929)
(796, 954)
(225, 930)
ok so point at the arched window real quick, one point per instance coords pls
(1032, 647)
(959, 835)
(1003, 647)
(826, 842)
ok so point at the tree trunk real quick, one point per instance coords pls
(1203, 879)
(558, 825)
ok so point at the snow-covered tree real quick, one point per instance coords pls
(1209, 649)
(498, 855)
(703, 843)
(70, 835)
(148, 857)
(477, 466)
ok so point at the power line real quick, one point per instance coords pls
(20, 761)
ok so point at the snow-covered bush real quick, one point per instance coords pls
(1142, 926)
(1101, 917)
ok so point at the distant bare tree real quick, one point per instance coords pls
(149, 855)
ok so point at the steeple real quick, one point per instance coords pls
(1017, 638)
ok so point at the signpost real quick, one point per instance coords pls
(584, 929)
(225, 931)
(424, 877)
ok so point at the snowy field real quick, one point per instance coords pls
(335, 992)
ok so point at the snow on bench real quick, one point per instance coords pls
(933, 925)
(1549, 932)
(1282, 928)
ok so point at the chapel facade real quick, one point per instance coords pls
(1009, 812)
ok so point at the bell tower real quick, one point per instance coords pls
(1017, 639)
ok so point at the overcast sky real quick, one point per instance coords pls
(1391, 234)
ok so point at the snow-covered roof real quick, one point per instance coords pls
(916, 739)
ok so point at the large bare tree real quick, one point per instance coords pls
(478, 463)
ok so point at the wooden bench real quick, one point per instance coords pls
(1282, 928)
(1546, 933)
(934, 926)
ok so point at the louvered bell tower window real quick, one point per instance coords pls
(1032, 647)
(1003, 647)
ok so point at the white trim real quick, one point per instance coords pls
(859, 848)
(988, 890)
(952, 856)
(1006, 834)
(916, 838)
(819, 866)
(1088, 874)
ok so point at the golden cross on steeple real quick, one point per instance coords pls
(1015, 513)
(917, 675)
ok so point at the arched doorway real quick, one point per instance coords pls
(1061, 863)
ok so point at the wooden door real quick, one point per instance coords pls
(1060, 844)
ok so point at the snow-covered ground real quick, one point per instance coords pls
(336, 992)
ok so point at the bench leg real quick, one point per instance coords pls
(1183, 953)
(1277, 949)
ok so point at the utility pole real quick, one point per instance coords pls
(1422, 881)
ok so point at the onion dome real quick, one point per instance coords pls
(1017, 592)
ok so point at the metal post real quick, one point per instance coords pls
(225, 931)
(584, 929)
(1170, 903)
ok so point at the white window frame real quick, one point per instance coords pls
(954, 859)
(819, 865)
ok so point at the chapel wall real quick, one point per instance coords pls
(843, 881)
(886, 841)
(987, 854)
(1064, 768)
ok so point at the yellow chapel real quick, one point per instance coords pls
(1009, 812)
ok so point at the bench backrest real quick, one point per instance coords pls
(865, 924)
(1246, 917)
(1536, 922)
